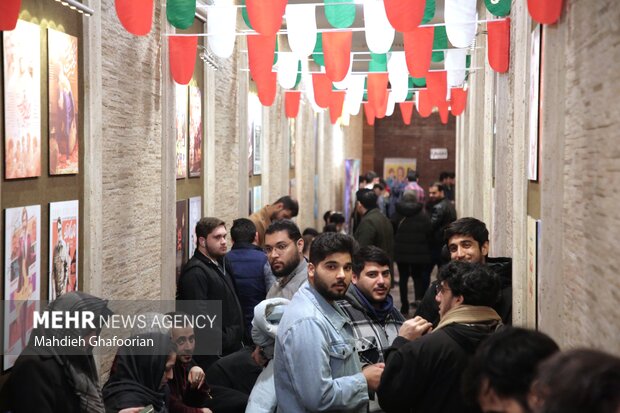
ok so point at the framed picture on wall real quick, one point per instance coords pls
(257, 199)
(181, 93)
(22, 277)
(195, 213)
(534, 104)
(181, 238)
(63, 253)
(395, 170)
(62, 72)
(195, 131)
(22, 101)
(291, 143)
(255, 131)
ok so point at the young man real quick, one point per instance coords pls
(467, 239)
(442, 213)
(423, 371)
(316, 366)
(205, 277)
(374, 228)
(369, 305)
(284, 247)
(284, 208)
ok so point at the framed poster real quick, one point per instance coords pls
(63, 254)
(22, 101)
(22, 277)
(395, 170)
(532, 271)
(195, 213)
(534, 104)
(351, 185)
(291, 143)
(63, 103)
(181, 129)
(255, 131)
(181, 238)
(195, 131)
(257, 199)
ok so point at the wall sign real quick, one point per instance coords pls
(439, 153)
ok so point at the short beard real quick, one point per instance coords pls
(323, 289)
(288, 268)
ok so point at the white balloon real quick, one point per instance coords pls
(460, 17)
(287, 69)
(399, 76)
(221, 26)
(389, 111)
(455, 64)
(344, 83)
(301, 26)
(306, 80)
(379, 32)
(355, 94)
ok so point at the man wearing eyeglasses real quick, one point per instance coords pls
(423, 371)
(284, 247)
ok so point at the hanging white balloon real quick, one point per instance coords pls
(355, 94)
(379, 32)
(287, 69)
(455, 64)
(301, 26)
(306, 80)
(460, 17)
(344, 83)
(389, 110)
(398, 76)
(221, 25)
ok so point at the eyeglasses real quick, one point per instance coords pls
(279, 248)
(439, 288)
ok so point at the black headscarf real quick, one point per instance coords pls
(135, 379)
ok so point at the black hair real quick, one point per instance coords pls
(336, 218)
(329, 243)
(507, 361)
(476, 283)
(206, 226)
(326, 216)
(440, 187)
(412, 175)
(330, 228)
(243, 230)
(307, 242)
(380, 186)
(467, 226)
(289, 203)
(370, 175)
(284, 225)
(369, 253)
(367, 198)
(443, 175)
(310, 231)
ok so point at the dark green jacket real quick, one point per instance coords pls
(375, 229)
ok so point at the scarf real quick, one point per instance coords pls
(381, 313)
(468, 314)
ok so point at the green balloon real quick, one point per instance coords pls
(418, 81)
(429, 11)
(180, 13)
(365, 98)
(439, 42)
(340, 13)
(317, 54)
(298, 75)
(275, 55)
(378, 62)
(244, 14)
(499, 8)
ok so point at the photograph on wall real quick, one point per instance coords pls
(195, 213)
(63, 255)
(534, 105)
(255, 130)
(63, 103)
(395, 170)
(195, 131)
(181, 238)
(291, 143)
(181, 129)
(22, 101)
(22, 277)
(351, 185)
(257, 199)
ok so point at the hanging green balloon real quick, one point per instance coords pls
(365, 98)
(499, 8)
(418, 81)
(410, 85)
(180, 13)
(429, 11)
(340, 13)
(298, 75)
(275, 55)
(467, 64)
(439, 42)
(244, 14)
(317, 54)
(378, 62)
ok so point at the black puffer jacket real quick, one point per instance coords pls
(442, 214)
(413, 231)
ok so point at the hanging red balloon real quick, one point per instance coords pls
(136, 16)
(377, 90)
(406, 110)
(261, 50)
(267, 86)
(418, 50)
(444, 112)
(265, 15)
(499, 44)
(335, 105)
(382, 108)
(322, 87)
(291, 103)
(9, 12)
(370, 113)
(182, 57)
(458, 100)
(437, 85)
(404, 15)
(337, 54)
(425, 107)
(545, 11)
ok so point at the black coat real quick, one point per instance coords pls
(424, 375)
(413, 230)
(442, 214)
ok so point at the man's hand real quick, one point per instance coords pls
(372, 373)
(196, 377)
(205, 410)
(259, 357)
(414, 328)
(131, 410)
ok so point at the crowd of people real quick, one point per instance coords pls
(308, 324)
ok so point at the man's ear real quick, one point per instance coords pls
(485, 249)
(355, 278)
(311, 270)
(459, 299)
(300, 245)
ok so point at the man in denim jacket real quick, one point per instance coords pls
(316, 365)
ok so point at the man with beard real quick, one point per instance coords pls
(284, 208)
(442, 213)
(284, 247)
(205, 277)
(316, 366)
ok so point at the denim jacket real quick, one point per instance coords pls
(316, 365)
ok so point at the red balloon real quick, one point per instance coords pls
(380, 114)
(545, 11)
(444, 112)
(377, 90)
(437, 85)
(404, 15)
(370, 113)
(182, 57)
(136, 16)
(9, 12)
(337, 54)
(291, 103)
(406, 110)
(322, 87)
(425, 107)
(335, 105)
(499, 45)
(265, 15)
(267, 86)
(458, 100)
(418, 50)
(261, 50)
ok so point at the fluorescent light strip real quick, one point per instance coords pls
(77, 6)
